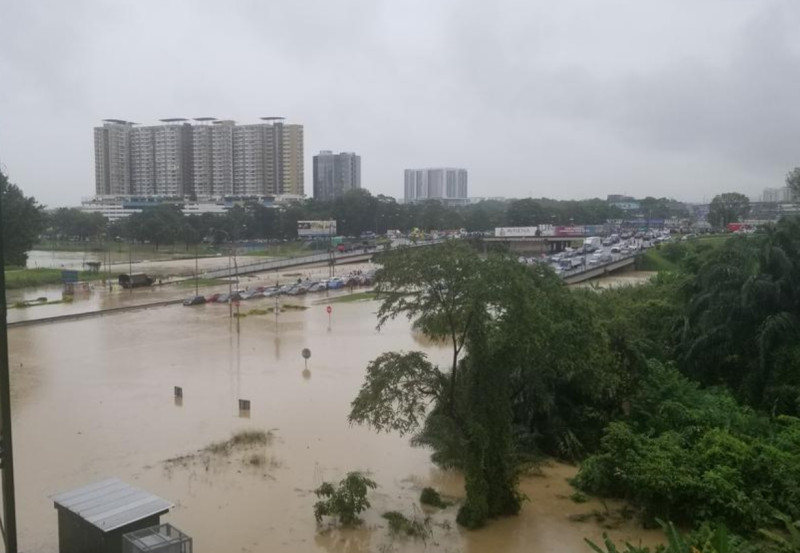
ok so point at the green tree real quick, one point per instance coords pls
(23, 222)
(453, 295)
(730, 207)
(793, 182)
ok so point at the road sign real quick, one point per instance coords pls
(306, 353)
(69, 276)
(329, 309)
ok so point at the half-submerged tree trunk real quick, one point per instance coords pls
(490, 472)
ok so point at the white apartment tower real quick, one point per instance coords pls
(447, 184)
(207, 158)
(112, 158)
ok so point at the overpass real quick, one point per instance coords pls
(584, 273)
(324, 259)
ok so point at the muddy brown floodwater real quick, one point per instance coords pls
(94, 398)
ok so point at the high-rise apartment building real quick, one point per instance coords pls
(441, 183)
(208, 158)
(335, 174)
(112, 158)
(777, 195)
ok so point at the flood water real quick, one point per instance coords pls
(94, 398)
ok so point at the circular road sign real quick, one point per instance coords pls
(329, 309)
(306, 353)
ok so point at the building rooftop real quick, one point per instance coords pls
(111, 504)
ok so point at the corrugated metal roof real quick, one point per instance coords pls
(111, 503)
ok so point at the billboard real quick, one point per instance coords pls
(570, 231)
(316, 228)
(515, 232)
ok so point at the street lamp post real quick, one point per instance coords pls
(230, 283)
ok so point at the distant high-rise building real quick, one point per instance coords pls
(441, 183)
(777, 195)
(112, 158)
(335, 174)
(210, 158)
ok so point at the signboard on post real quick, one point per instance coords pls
(316, 228)
(69, 277)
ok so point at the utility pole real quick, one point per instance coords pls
(9, 522)
(196, 292)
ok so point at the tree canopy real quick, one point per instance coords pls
(23, 221)
(730, 207)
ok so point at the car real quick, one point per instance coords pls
(335, 283)
(270, 292)
(320, 286)
(222, 298)
(250, 294)
(297, 290)
(194, 300)
(213, 297)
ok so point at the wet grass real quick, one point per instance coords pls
(401, 525)
(240, 441)
(29, 278)
(201, 282)
(358, 296)
(39, 301)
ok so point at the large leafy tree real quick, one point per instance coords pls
(730, 207)
(529, 368)
(793, 181)
(23, 221)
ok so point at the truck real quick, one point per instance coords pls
(593, 243)
(135, 280)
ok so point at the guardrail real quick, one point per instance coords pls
(285, 262)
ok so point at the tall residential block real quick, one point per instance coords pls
(207, 158)
(112, 157)
(335, 174)
(440, 183)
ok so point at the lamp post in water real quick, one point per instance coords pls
(230, 283)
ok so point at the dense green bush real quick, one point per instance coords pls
(690, 455)
(346, 501)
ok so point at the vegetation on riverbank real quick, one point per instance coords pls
(680, 396)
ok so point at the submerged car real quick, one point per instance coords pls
(194, 300)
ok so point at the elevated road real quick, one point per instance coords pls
(589, 272)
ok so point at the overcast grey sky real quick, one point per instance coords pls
(564, 99)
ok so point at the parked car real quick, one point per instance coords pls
(320, 286)
(213, 297)
(194, 300)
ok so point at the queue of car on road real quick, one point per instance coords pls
(597, 251)
(296, 288)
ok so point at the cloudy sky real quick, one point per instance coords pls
(564, 99)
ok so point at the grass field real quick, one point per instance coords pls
(201, 282)
(358, 296)
(655, 259)
(122, 249)
(24, 278)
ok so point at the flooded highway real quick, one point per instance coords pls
(94, 399)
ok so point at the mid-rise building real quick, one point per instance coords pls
(210, 158)
(335, 174)
(446, 184)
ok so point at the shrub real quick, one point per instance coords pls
(400, 525)
(346, 501)
(431, 497)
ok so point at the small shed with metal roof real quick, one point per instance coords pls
(93, 519)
